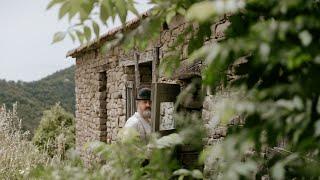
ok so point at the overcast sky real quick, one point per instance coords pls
(26, 33)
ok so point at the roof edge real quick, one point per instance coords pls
(107, 36)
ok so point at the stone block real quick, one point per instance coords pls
(185, 52)
(121, 121)
(176, 32)
(112, 59)
(166, 35)
(116, 95)
(205, 115)
(220, 29)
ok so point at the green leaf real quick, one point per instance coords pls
(96, 29)
(181, 172)
(87, 33)
(103, 14)
(130, 5)
(85, 9)
(58, 36)
(197, 174)
(80, 36)
(121, 7)
(264, 51)
(169, 16)
(169, 141)
(105, 10)
(169, 64)
(317, 128)
(246, 168)
(305, 37)
(53, 3)
(277, 171)
(64, 9)
(181, 11)
(72, 12)
(73, 38)
(201, 11)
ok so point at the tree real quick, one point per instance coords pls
(280, 42)
(56, 132)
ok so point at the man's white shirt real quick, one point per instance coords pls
(138, 123)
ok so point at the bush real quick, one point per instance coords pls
(17, 154)
(56, 131)
(129, 158)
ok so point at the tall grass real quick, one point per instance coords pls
(17, 154)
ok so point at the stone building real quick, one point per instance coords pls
(105, 85)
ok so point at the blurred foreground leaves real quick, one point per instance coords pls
(279, 41)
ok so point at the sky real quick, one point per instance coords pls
(26, 32)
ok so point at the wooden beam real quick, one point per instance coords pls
(155, 64)
(161, 92)
(132, 63)
(136, 71)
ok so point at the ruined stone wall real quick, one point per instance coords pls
(215, 131)
(101, 81)
(116, 98)
(167, 39)
(101, 95)
(90, 91)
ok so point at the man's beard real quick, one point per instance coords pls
(146, 114)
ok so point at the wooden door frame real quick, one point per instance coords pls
(162, 92)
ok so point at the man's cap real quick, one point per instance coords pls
(144, 94)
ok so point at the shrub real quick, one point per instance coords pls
(17, 154)
(127, 158)
(56, 130)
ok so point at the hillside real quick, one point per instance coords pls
(35, 97)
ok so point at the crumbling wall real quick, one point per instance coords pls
(115, 100)
(91, 79)
(101, 80)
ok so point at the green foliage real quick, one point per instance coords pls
(56, 131)
(280, 42)
(35, 97)
(59, 36)
(128, 158)
(88, 16)
(281, 84)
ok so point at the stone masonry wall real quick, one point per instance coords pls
(101, 96)
(115, 101)
(167, 39)
(101, 87)
(90, 97)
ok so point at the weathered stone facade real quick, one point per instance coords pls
(103, 79)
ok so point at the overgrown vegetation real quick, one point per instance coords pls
(35, 97)
(56, 131)
(18, 156)
(127, 158)
(280, 40)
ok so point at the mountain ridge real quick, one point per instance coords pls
(36, 96)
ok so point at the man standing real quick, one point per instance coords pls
(141, 120)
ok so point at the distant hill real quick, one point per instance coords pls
(35, 97)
